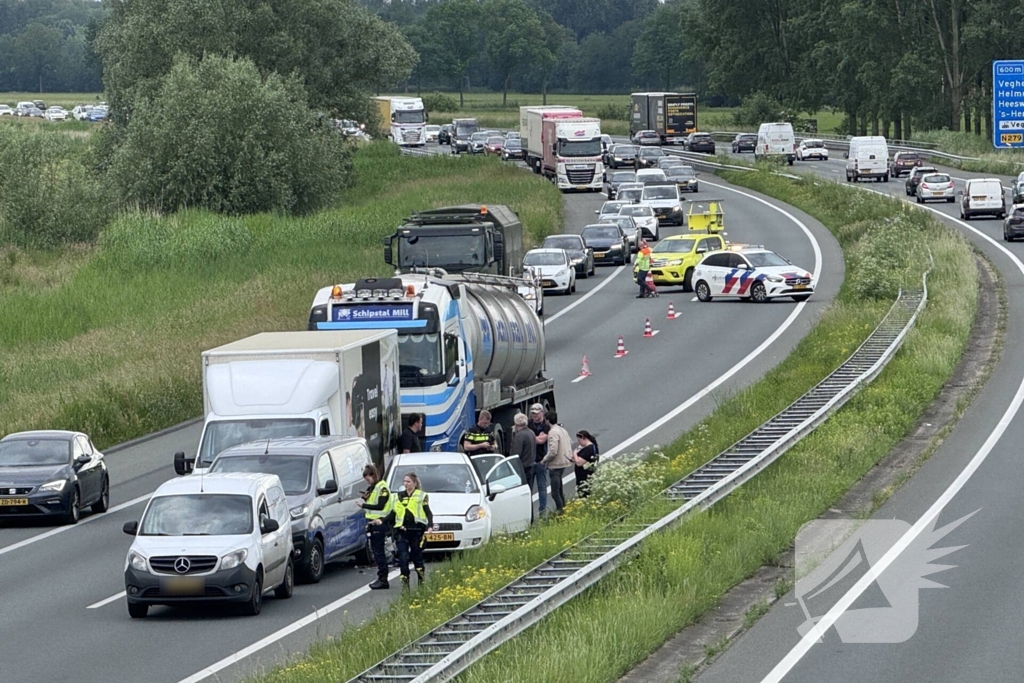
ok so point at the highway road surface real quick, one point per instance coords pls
(62, 612)
(969, 631)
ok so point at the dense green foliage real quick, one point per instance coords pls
(219, 136)
(44, 45)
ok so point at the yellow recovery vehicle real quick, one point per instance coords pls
(705, 215)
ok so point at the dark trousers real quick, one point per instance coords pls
(641, 279)
(410, 546)
(557, 494)
(378, 534)
(528, 471)
(581, 477)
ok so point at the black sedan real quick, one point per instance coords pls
(620, 155)
(1013, 225)
(513, 149)
(701, 142)
(608, 242)
(648, 157)
(580, 256)
(444, 137)
(51, 474)
(613, 179)
(744, 142)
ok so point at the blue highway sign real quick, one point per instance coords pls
(1008, 103)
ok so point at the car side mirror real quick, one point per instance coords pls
(846, 155)
(597, 211)
(702, 250)
(82, 459)
(131, 528)
(268, 525)
(182, 465)
(494, 490)
(330, 486)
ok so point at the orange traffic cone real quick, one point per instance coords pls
(650, 285)
(672, 315)
(648, 332)
(621, 351)
(585, 371)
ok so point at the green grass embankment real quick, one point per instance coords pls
(106, 338)
(680, 574)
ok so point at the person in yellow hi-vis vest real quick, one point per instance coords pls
(376, 504)
(412, 519)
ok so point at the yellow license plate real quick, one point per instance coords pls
(11, 502)
(582, 187)
(1010, 138)
(799, 286)
(601, 254)
(430, 538)
(183, 585)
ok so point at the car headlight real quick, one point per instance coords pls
(475, 512)
(137, 562)
(674, 262)
(530, 296)
(577, 260)
(57, 485)
(775, 278)
(232, 560)
(615, 247)
(299, 512)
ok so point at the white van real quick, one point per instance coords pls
(211, 538)
(868, 158)
(775, 140)
(982, 197)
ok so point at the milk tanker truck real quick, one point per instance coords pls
(463, 346)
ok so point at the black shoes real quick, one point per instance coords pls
(379, 585)
(421, 576)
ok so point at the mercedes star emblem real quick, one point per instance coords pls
(182, 565)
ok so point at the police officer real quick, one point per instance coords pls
(480, 439)
(412, 518)
(377, 506)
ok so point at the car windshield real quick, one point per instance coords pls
(198, 514)
(630, 194)
(765, 259)
(652, 152)
(634, 210)
(600, 234)
(294, 470)
(465, 130)
(922, 172)
(623, 151)
(495, 140)
(623, 176)
(910, 156)
(409, 116)
(580, 148)
(648, 134)
(572, 243)
(419, 355)
(673, 246)
(514, 143)
(439, 478)
(749, 137)
(544, 258)
(478, 137)
(221, 435)
(813, 143)
(28, 452)
(613, 207)
(938, 178)
(660, 193)
(681, 172)
(432, 129)
(624, 222)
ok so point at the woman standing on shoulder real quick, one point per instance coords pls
(585, 458)
(412, 519)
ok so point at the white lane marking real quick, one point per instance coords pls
(694, 299)
(269, 640)
(107, 601)
(586, 296)
(61, 529)
(281, 633)
(827, 621)
(580, 378)
(653, 332)
(671, 415)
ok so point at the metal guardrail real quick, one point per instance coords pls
(450, 648)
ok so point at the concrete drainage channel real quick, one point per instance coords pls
(452, 647)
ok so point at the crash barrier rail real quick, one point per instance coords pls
(449, 649)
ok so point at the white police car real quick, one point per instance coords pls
(750, 272)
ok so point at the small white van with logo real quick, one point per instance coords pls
(868, 158)
(775, 140)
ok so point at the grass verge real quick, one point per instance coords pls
(681, 573)
(106, 338)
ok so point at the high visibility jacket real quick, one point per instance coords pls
(643, 261)
(379, 492)
(478, 435)
(414, 503)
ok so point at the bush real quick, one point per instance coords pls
(438, 101)
(613, 112)
(757, 109)
(221, 137)
(885, 255)
(48, 194)
(627, 480)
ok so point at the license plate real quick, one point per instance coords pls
(600, 254)
(582, 187)
(11, 502)
(183, 585)
(430, 538)
(978, 199)
(548, 283)
(799, 286)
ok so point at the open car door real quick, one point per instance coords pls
(509, 496)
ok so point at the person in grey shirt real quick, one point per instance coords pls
(524, 444)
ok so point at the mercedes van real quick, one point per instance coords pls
(868, 158)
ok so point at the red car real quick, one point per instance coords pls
(494, 145)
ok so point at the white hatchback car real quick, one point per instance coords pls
(431, 132)
(553, 268)
(812, 149)
(935, 186)
(55, 114)
(751, 273)
(645, 218)
(471, 497)
(211, 538)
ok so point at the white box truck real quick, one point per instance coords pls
(530, 120)
(403, 119)
(293, 384)
(868, 158)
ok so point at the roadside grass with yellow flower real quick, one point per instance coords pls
(679, 574)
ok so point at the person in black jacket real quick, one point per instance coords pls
(412, 518)
(585, 458)
(410, 441)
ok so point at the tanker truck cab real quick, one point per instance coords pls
(463, 346)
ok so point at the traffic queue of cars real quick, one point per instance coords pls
(37, 109)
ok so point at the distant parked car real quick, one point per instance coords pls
(22, 108)
(81, 112)
(98, 114)
(34, 112)
(39, 104)
(5, 110)
(431, 132)
(56, 114)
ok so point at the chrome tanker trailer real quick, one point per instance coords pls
(463, 346)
